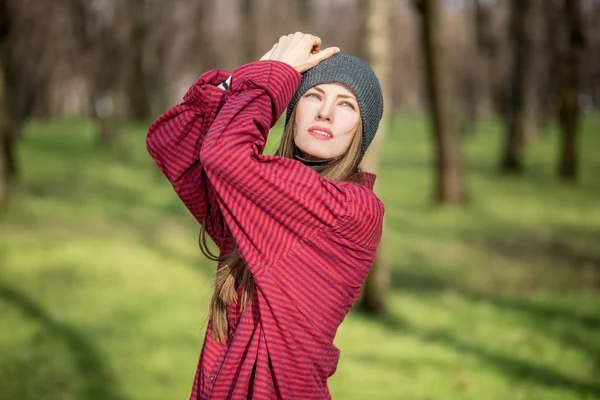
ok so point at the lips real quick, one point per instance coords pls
(320, 132)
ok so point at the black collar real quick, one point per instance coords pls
(310, 163)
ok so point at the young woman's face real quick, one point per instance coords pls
(327, 117)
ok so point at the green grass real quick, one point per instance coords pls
(104, 292)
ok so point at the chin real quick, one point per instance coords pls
(315, 152)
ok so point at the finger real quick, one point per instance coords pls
(314, 59)
(297, 37)
(316, 41)
(323, 54)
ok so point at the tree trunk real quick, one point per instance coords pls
(138, 91)
(519, 109)
(109, 80)
(110, 117)
(449, 179)
(204, 43)
(376, 288)
(570, 78)
(8, 136)
(549, 87)
(9, 122)
(3, 186)
(305, 15)
(249, 31)
(4, 121)
(487, 50)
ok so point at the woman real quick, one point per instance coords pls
(297, 231)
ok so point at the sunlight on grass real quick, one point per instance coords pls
(104, 293)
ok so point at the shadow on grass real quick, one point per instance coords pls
(128, 207)
(537, 174)
(574, 248)
(98, 382)
(539, 314)
(409, 282)
(573, 251)
(517, 369)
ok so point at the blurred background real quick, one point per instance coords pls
(487, 280)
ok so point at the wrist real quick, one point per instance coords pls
(277, 79)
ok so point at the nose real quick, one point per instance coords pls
(325, 112)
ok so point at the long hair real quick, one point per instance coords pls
(234, 282)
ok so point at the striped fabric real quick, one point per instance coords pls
(308, 241)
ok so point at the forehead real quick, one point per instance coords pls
(334, 89)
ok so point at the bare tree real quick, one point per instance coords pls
(5, 114)
(108, 77)
(139, 98)
(120, 58)
(375, 291)
(591, 66)
(203, 37)
(519, 112)
(27, 64)
(9, 119)
(101, 35)
(4, 178)
(160, 40)
(249, 31)
(572, 45)
(549, 88)
(449, 174)
(487, 45)
(305, 15)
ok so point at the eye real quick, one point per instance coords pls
(348, 104)
(313, 94)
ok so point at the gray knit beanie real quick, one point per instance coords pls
(356, 75)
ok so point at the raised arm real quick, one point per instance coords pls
(175, 140)
(270, 203)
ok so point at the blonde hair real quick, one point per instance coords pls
(233, 276)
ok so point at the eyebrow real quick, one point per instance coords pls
(344, 96)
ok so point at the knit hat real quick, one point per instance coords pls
(356, 75)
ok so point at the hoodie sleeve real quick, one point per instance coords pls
(175, 140)
(269, 203)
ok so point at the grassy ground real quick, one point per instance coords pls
(104, 293)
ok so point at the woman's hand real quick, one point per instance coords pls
(300, 50)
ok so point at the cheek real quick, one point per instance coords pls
(349, 124)
(303, 111)
(348, 139)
